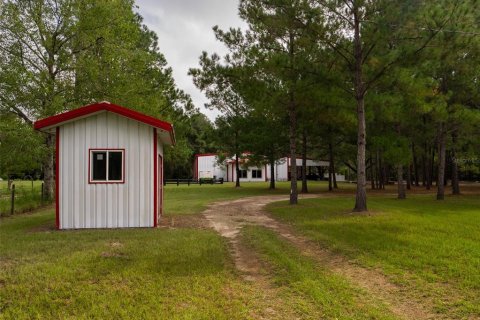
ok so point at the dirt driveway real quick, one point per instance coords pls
(229, 217)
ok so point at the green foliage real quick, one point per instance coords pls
(60, 55)
(21, 149)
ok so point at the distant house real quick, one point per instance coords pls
(109, 166)
(207, 164)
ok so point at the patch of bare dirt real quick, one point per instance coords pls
(229, 217)
(187, 221)
(116, 244)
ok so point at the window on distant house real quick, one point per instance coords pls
(256, 174)
(107, 166)
(243, 174)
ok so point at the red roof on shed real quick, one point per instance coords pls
(59, 119)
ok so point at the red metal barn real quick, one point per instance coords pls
(109, 166)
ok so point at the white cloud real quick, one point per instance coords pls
(184, 29)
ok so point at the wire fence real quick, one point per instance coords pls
(22, 196)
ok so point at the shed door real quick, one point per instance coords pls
(160, 185)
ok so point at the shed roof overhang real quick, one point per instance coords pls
(166, 131)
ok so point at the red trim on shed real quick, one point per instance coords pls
(160, 184)
(57, 178)
(105, 106)
(155, 179)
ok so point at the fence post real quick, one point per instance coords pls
(178, 182)
(12, 208)
(189, 182)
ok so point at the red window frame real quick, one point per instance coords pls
(90, 181)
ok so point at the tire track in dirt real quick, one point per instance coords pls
(229, 217)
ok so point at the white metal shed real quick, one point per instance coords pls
(109, 166)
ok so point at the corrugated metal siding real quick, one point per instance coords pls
(84, 205)
(209, 163)
(282, 170)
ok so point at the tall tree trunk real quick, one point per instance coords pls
(409, 176)
(401, 185)
(304, 162)
(455, 182)
(237, 169)
(330, 179)
(334, 177)
(432, 167)
(293, 156)
(292, 113)
(48, 165)
(359, 86)
(331, 170)
(424, 168)
(272, 173)
(428, 172)
(441, 162)
(415, 165)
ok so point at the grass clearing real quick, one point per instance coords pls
(314, 293)
(193, 199)
(430, 247)
(188, 273)
(122, 274)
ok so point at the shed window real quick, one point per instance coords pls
(107, 166)
(243, 173)
(256, 173)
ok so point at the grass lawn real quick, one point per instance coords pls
(192, 199)
(426, 245)
(310, 289)
(115, 274)
(188, 273)
(128, 273)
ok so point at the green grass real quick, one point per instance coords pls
(312, 291)
(114, 274)
(188, 273)
(431, 247)
(26, 197)
(192, 199)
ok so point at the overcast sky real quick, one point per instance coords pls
(184, 29)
